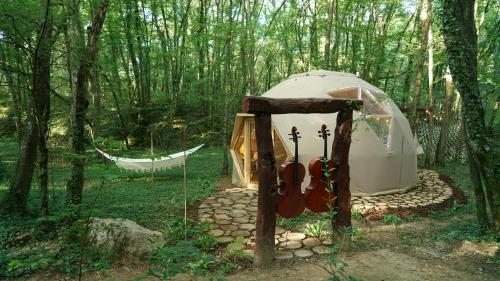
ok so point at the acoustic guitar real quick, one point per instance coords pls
(291, 201)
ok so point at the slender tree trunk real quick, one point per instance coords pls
(329, 24)
(75, 183)
(227, 88)
(37, 117)
(460, 39)
(96, 100)
(430, 110)
(425, 19)
(445, 120)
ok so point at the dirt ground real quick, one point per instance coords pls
(381, 252)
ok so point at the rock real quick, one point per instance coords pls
(283, 255)
(228, 227)
(247, 226)
(322, 250)
(294, 236)
(279, 230)
(291, 244)
(223, 222)
(221, 216)
(225, 239)
(216, 232)
(327, 242)
(311, 242)
(132, 240)
(242, 233)
(303, 253)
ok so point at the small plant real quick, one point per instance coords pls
(292, 223)
(392, 219)
(233, 255)
(315, 229)
(356, 215)
(183, 257)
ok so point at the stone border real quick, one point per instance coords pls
(231, 213)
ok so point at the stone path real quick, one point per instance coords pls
(231, 213)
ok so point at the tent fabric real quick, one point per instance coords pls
(147, 164)
(383, 150)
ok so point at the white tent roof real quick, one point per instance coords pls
(377, 165)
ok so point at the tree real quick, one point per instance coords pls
(425, 19)
(36, 124)
(460, 39)
(87, 61)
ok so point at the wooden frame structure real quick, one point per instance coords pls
(266, 205)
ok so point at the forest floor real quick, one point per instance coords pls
(442, 245)
(425, 249)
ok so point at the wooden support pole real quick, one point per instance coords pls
(340, 157)
(310, 105)
(266, 204)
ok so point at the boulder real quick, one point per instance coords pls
(124, 237)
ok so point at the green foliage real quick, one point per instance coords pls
(3, 171)
(232, 256)
(337, 272)
(293, 223)
(356, 215)
(199, 233)
(316, 229)
(392, 219)
(457, 209)
(465, 230)
(183, 257)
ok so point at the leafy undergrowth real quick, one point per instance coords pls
(31, 244)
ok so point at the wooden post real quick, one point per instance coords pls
(266, 204)
(340, 157)
(266, 207)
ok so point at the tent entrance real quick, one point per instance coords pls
(244, 149)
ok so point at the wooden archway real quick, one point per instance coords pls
(267, 192)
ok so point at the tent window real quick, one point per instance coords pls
(376, 117)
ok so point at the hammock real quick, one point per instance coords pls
(148, 164)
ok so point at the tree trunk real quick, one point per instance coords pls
(75, 183)
(425, 19)
(430, 108)
(445, 120)
(227, 88)
(460, 39)
(37, 117)
(96, 100)
(326, 62)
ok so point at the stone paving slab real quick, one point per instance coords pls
(231, 213)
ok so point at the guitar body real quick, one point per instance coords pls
(317, 197)
(291, 202)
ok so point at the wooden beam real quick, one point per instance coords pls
(266, 200)
(340, 156)
(307, 105)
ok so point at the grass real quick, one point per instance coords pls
(125, 194)
(109, 193)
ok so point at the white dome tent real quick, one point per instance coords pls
(383, 155)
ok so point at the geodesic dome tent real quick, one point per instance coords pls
(383, 155)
